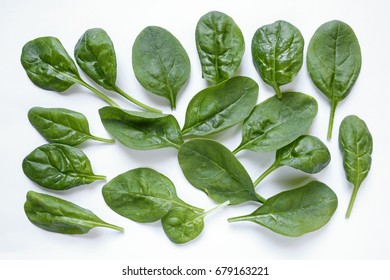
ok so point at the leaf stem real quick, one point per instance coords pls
(352, 201)
(277, 91)
(260, 198)
(331, 118)
(106, 140)
(111, 226)
(135, 101)
(236, 150)
(274, 166)
(98, 93)
(215, 208)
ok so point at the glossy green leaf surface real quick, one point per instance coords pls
(95, 54)
(142, 195)
(160, 63)
(57, 215)
(220, 45)
(356, 145)
(48, 65)
(334, 60)
(295, 212)
(277, 53)
(212, 168)
(141, 130)
(275, 122)
(59, 167)
(60, 125)
(219, 107)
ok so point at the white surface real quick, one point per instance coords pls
(364, 236)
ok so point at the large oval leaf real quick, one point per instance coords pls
(212, 168)
(160, 62)
(220, 46)
(276, 122)
(57, 215)
(296, 212)
(48, 65)
(221, 106)
(334, 60)
(277, 53)
(59, 167)
(141, 130)
(142, 195)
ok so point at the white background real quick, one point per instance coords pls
(365, 236)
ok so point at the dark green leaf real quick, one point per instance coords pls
(220, 46)
(212, 168)
(295, 212)
(59, 167)
(61, 216)
(277, 52)
(356, 146)
(334, 61)
(60, 125)
(160, 63)
(276, 122)
(141, 130)
(142, 195)
(221, 106)
(48, 65)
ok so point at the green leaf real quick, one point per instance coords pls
(59, 167)
(277, 52)
(212, 168)
(57, 215)
(160, 63)
(295, 212)
(219, 107)
(307, 153)
(182, 225)
(276, 122)
(334, 61)
(60, 125)
(356, 145)
(141, 130)
(220, 46)
(142, 195)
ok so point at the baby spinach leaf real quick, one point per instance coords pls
(221, 106)
(60, 125)
(334, 61)
(95, 54)
(141, 130)
(57, 215)
(182, 225)
(277, 52)
(50, 67)
(142, 195)
(212, 168)
(59, 167)
(160, 63)
(220, 46)
(356, 145)
(295, 212)
(307, 153)
(276, 122)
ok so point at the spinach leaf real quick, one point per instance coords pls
(50, 67)
(59, 167)
(60, 125)
(276, 122)
(212, 168)
(307, 153)
(295, 212)
(141, 130)
(182, 225)
(277, 53)
(356, 145)
(142, 195)
(220, 45)
(160, 63)
(221, 106)
(95, 54)
(334, 61)
(57, 215)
